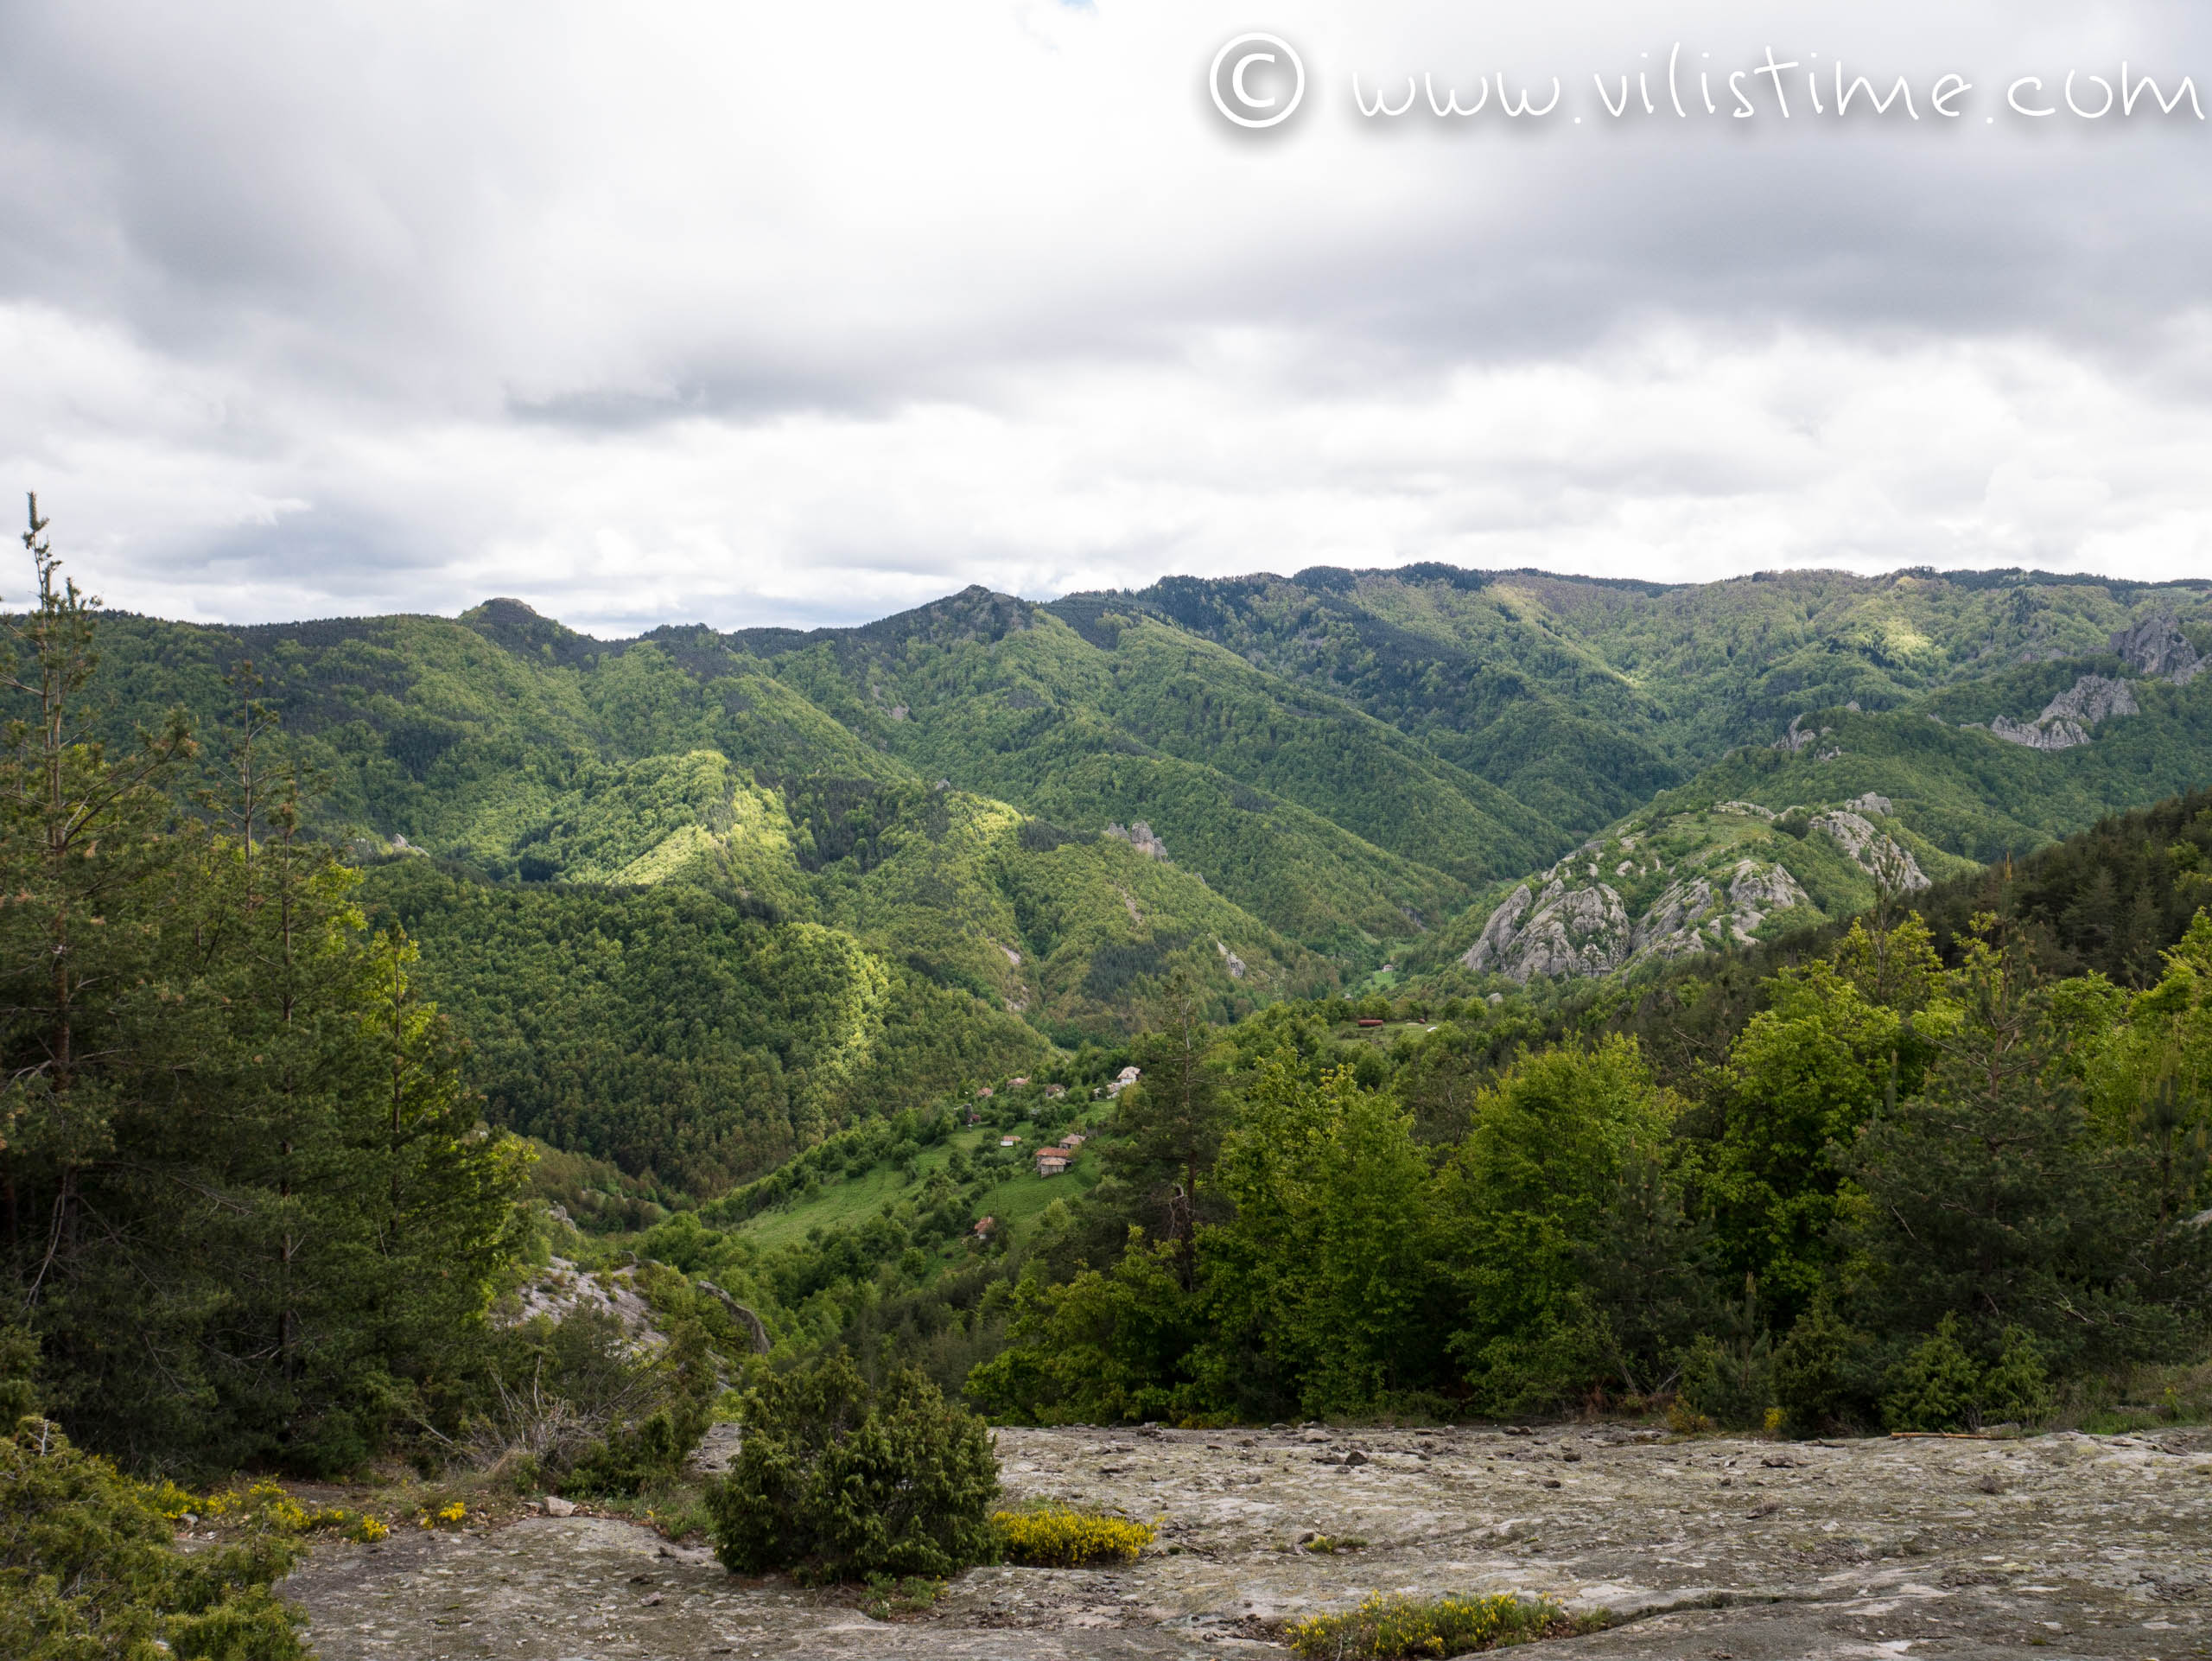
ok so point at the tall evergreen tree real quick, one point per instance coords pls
(249, 1207)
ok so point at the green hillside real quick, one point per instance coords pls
(699, 898)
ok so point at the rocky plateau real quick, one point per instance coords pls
(1720, 1549)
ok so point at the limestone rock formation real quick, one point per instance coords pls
(1140, 838)
(1561, 931)
(2067, 719)
(2156, 647)
(1878, 854)
(1587, 931)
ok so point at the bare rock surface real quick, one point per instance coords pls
(2156, 646)
(1880, 855)
(2063, 1545)
(561, 1288)
(2067, 719)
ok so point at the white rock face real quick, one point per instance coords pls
(1587, 930)
(1674, 927)
(2157, 647)
(1755, 892)
(1560, 931)
(1877, 855)
(2067, 719)
(1235, 963)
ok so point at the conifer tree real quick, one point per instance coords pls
(251, 1209)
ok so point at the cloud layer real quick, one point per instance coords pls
(679, 312)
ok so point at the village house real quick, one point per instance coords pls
(1123, 1079)
(1053, 1092)
(1051, 1161)
(1009, 1141)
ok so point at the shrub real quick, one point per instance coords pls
(1067, 1539)
(1397, 1629)
(89, 1569)
(576, 1404)
(2017, 1389)
(1935, 1388)
(1727, 1384)
(840, 1482)
(1813, 1371)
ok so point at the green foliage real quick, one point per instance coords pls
(1551, 1141)
(676, 1031)
(1817, 1378)
(1987, 1192)
(1936, 1387)
(90, 1571)
(249, 1209)
(1068, 1539)
(2016, 1388)
(1730, 1384)
(1105, 1347)
(840, 1480)
(1385, 1628)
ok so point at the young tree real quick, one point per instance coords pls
(1171, 1123)
(1985, 1195)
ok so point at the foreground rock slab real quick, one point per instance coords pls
(2064, 1545)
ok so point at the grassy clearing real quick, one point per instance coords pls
(849, 1201)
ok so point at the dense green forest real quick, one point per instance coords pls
(734, 928)
(1927, 1169)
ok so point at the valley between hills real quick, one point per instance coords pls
(930, 850)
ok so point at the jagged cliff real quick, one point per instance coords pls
(1695, 882)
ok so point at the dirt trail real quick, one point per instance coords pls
(2066, 1545)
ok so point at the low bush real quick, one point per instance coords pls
(576, 1405)
(1399, 1629)
(90, 1569)
(1941, 1386)
(1067, 1539)
(839, 1481)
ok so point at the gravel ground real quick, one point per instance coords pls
(2063, 1545)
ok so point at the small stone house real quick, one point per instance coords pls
(1051, 1161)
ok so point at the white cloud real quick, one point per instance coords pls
(809, 314)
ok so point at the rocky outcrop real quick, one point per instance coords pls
(1229, 960)
(1561, 931)
(1755, 892)
(2157, 647)
(2067, 719)
(1676, 924)
(1140, 838)
(1970, 1549)
(1587, 930)
(1879, 855)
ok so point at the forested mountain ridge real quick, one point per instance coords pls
(1308, 775)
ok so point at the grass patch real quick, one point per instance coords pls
(851, 1201)
(677, 1508)
(1067, 1539)
(1401, 1629)
(888, 1598)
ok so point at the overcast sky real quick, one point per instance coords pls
(806, 313)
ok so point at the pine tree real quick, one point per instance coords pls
(251, 1212)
